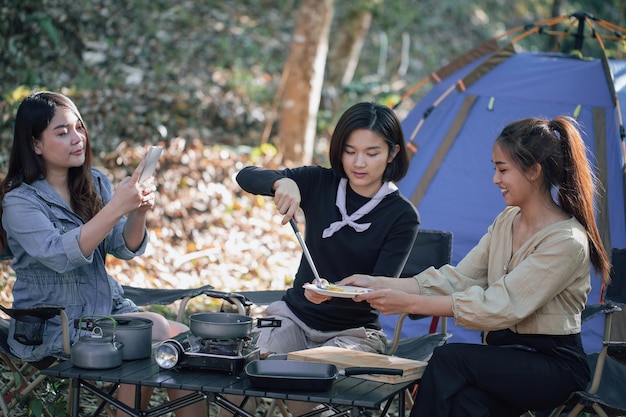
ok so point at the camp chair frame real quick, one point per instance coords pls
(25, 377)
(152, 296)
(605, 399)
(432, 248)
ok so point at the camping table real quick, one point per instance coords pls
(346, 392)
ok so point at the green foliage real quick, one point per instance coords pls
(31, 28)
(48, 27)
(35, 407)
(249, 83)
(442, 30)
(56, 399)
(51, 395)
(261, 153)
(205, 68)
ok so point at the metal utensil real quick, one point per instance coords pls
(307, 254)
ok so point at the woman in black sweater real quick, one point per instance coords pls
(374, 235)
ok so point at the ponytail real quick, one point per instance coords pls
(579, 188)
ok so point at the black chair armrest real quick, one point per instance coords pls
(593, 310)
(150, 296)
(616, 350)
(40, 312)
(263, 298)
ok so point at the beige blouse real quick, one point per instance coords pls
(540, 289)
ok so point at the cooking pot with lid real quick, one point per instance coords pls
(134, 332)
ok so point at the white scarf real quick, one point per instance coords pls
(386, 188)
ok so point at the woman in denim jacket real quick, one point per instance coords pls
(60, 219)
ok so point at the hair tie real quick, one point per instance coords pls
(557, 134)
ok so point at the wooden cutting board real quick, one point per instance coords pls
(346, 358)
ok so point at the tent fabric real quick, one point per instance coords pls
(450, 175)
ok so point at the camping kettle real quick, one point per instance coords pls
(97, 351)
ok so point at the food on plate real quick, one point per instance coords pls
(334, 287)
(335, 290)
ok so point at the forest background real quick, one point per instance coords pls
(204, 79)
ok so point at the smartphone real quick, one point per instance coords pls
(154, 153)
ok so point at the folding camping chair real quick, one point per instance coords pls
(431, 248)
(24, 377)
(606, 394)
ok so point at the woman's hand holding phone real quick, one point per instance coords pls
(151, 162)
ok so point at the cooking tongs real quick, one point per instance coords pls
(318, 280)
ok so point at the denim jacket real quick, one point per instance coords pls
(42, 233)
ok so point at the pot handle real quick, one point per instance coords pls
(362, 370)
(268, 322)
(90, 325)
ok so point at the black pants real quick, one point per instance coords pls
(482, 380)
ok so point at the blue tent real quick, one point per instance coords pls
(451, 131)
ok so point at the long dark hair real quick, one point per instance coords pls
(25, 165)
(379, 119)
(558, 147)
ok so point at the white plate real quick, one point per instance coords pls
(342, 291)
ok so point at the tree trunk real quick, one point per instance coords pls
(345, 50)
(348, 40)
(305, 67)
(556, 8)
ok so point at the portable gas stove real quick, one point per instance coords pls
(190, 351)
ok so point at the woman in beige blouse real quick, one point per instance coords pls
(525, 284)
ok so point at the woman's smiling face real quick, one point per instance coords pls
(365, 157)
(513, 183)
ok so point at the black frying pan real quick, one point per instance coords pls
(292, 375)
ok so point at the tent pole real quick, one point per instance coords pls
(578, 43)
(443, 149)
(599, 134)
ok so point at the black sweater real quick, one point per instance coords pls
(382, 249)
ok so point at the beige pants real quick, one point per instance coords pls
(294, 335)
